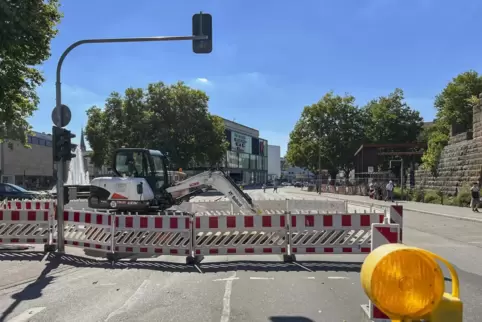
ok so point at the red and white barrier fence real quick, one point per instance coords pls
(185, 235)
(384, 233)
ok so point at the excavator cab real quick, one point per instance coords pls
(142, 163)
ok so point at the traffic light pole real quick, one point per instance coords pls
(58, 102)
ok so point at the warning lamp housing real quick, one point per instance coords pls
(408, 283)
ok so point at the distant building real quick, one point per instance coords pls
(31, 168)
(274, 162)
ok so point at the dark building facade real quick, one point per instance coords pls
(247, 155)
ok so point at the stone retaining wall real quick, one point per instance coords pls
(460, 162)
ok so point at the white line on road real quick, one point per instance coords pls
(232, 278)
(337, 278)
(310, 277)
(130, 301)
(261, 278)
(303, 267)
(27, 315)
(227, 299)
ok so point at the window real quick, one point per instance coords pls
(244, 160)
(233, 159)
(131, 164)
(253, 161)
(35, 140)
(41, 142)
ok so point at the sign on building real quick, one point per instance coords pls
(240, 142)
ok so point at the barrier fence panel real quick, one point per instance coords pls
(88, 230)
(268, 207)
(161, 235)
(240, 235)
(332, 233)
(183, 234)
(25, 226)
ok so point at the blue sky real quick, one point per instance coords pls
(270, 58)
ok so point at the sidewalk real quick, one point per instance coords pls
(462, 213)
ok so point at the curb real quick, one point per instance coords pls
(406, 208)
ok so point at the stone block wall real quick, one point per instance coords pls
(460, 162)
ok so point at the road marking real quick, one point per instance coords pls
(303, 267)
(261, 278)
(232, 278)
(337, 278)
(476, 242)
(27, 315)
(130, 301)
(227, 299)
(310, 277)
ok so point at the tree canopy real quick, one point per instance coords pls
(327, 131)
(173, 119)
(333, 129)
(454, 106)
(389, 119)
(26, 29)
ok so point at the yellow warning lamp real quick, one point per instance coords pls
(407, 284)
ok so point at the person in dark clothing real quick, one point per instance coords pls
(475, 191)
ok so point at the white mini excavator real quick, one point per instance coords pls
(142, 184)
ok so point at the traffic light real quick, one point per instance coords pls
(202, 25)
(66, 195)
(62, 144)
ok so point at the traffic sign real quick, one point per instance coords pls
(67, 116)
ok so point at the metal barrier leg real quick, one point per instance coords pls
(192, 258)
(112, 256)
(50, 247)
(289, 257)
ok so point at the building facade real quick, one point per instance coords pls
(274, 162)
(31, 168)
(247, 155)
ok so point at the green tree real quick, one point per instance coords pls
(173, 119)
(26, 29)
(389, 119)
(454, 106)
(329, 131)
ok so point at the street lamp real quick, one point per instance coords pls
(200, 45)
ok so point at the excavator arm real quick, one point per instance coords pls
(222, 183)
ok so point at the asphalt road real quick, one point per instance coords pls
(224, 288)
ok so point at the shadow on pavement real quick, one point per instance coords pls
(211, 267)
(289, 319)
(34, 289)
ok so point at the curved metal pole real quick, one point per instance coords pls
(58, 103)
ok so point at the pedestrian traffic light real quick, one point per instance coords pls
(202, 25)
(62, 144)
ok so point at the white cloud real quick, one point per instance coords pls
(203, 80)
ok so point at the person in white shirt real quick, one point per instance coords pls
(389, 188)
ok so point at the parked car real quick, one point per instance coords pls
(12, 191)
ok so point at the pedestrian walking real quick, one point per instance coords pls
(275, 187)
(389, 189)
(475, 191)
